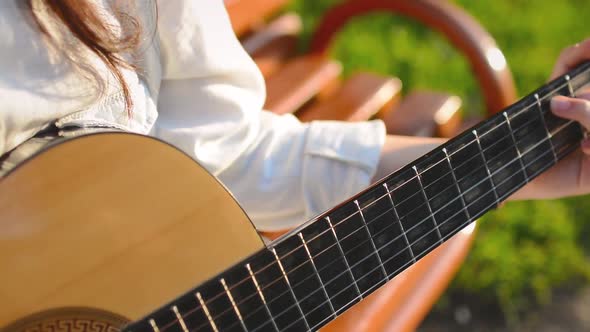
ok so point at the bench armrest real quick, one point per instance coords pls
(460, 29)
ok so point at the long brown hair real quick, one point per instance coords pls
(82, 19)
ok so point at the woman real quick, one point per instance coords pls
(179, 73)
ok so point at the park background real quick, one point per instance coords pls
(529, 257)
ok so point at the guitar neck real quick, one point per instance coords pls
(317, 271)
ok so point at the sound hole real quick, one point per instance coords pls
(69, 320)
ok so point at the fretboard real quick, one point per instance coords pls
(317, 271)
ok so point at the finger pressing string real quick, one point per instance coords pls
(570, 57)
(572, 108)
(560, 105)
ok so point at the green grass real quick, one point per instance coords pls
(526, 249)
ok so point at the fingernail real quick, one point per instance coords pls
(560, 104)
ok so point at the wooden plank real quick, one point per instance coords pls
(246, 14)
(273, 44)
(425, 113)
(299, 81)
(359, 98)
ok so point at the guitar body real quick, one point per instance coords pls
(89, 241)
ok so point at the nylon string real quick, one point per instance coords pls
(524, 109)
(393, 240)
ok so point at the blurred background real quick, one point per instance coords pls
(529, 267)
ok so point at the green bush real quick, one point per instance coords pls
(526, 249)
(522, 251)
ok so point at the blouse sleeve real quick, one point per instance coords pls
(280, 170)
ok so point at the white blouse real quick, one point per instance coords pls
(196, 88)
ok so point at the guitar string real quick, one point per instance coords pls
(395, 239)
(412, 178)
(485, 179)
(409, 263)
(445, 237)
(401, 251)
(524, 109)
(331, 246)
(427, 169)
(518, 113)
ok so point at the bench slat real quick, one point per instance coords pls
(426, 114)
(359, 98)
(299, 81)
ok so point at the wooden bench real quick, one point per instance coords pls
(310, 86)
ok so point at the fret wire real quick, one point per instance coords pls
(376, 285)
(368, 273)
(419, 192)
(489, 131)
(356, 202)
(462, 163)
(494, 128)
(452, 168)
(358, 229)
(505, 195)
(569, 86)
(318, 274)
(526, 178)
(207, 313)
(417, 224)
(477, 184)
(289, 286)
(272, 319)
(370, 289)
(549, 135)
(428, 203)
(435, 164)
(505, 180)
(154, 326)
(233, 303)
(452, 171)
(343, 256)
(392, 274)
(573, 95)
(458, 150)
(485, 163)
(430, 247)
(179, 318)
(399, 222)
(456, 182)
(300, 265)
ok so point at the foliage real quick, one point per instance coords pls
(526, 249)
(522, 252)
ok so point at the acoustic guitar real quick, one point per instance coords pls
(115, 231)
